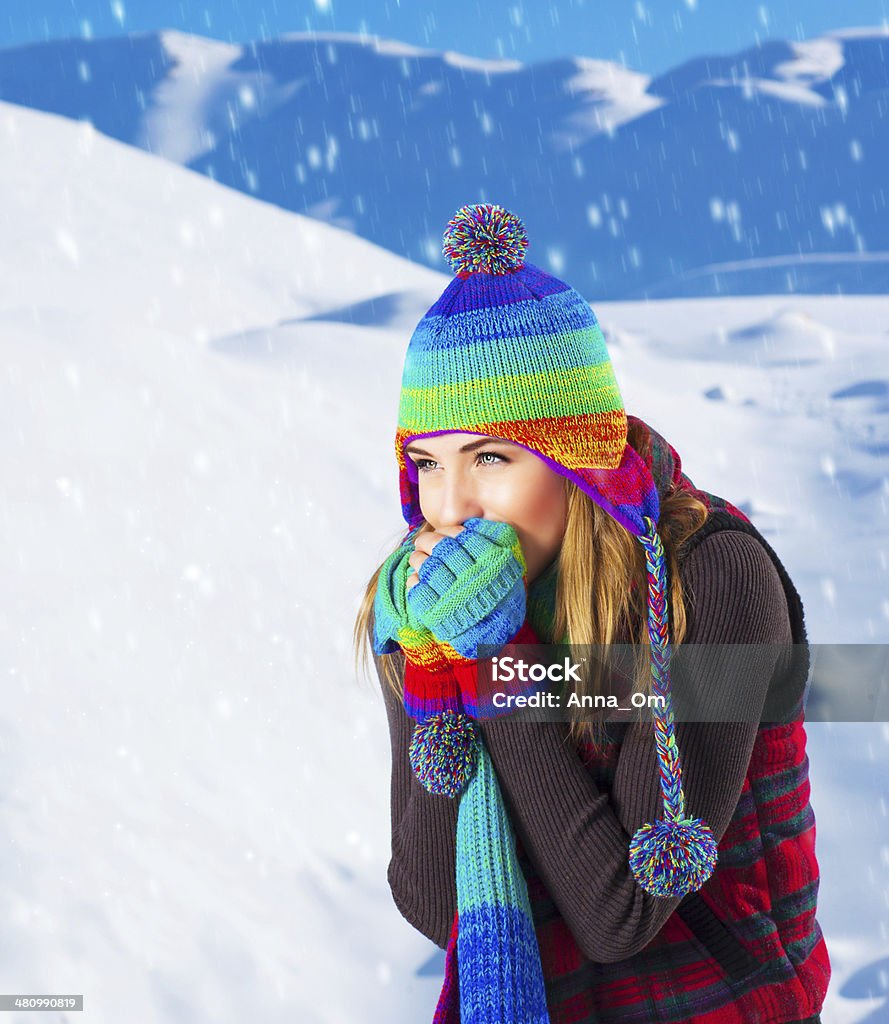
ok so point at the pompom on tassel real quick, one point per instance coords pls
(673, 858)
(443, 751)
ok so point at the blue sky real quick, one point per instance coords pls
(649, 35)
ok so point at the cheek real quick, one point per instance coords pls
(538, 503)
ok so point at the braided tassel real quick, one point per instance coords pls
(674, 855)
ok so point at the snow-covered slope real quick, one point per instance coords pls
(194, 785)
(750, 173)
(198, 403)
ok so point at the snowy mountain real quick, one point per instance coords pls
(199, 480)
(759, 172)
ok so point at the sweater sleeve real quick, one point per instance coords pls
(577, 836)
(422, 869)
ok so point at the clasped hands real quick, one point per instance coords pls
(443, 594)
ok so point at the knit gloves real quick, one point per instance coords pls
(472, 592)
(472, 589)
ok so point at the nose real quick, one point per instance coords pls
(458, 500)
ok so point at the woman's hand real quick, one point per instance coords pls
(423, 545)
(468, 589)
(470, 585)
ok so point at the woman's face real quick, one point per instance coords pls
(464, 475)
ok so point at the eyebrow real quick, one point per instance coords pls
(412, 449)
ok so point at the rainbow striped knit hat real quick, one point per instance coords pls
(513, 352)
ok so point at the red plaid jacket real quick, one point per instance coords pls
(744, 949)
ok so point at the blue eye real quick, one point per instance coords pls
(495, 455)
(421, 464)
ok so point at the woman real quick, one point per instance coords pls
(579, 870)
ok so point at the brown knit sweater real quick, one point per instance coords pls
(576, 835)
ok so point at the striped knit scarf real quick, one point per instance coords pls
(493, 971)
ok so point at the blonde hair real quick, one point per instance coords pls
(596, 602)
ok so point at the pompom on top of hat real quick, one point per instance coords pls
(484, 238)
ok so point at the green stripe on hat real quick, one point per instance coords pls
(575, 391)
